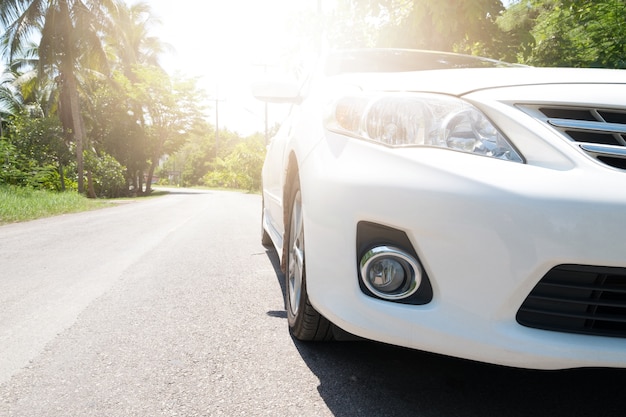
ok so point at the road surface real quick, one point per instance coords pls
(171, 307)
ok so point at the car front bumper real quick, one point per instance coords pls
(485, 231)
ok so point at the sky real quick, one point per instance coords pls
(227, 43)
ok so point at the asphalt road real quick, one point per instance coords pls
(171, 307)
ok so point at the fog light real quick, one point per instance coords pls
(390, 273)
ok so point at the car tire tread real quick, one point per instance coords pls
(307, 324)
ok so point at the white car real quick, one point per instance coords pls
(454, 204)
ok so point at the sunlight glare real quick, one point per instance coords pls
(227, 44)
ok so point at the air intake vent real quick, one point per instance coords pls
(578, 299)
(601, 133)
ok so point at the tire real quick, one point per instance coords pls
(305, 323)
(266, 240)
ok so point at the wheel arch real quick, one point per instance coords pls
(292, 172)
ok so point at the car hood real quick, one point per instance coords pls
(464, 81)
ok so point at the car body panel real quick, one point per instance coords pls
(459, 82)
(543, 225)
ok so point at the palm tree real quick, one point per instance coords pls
(11, 101)
(68, 39)
(131, 47)
(128, 37)
(32, 94)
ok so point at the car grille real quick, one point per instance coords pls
(578, 299)
(601, 133)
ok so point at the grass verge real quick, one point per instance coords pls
(19, 204)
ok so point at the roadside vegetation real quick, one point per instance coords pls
(18, 204)
(86, 109)
(574, 33)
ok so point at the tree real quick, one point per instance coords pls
(10, 99)
(241, 168)
(444, 25)
(116, 118)
(95, 66)
(128, 39)
(171, 108)
(129, 43)
(574, 33)
(192, 161)
(68, 31)
(34, 152)
(113, 126)
(31, 125)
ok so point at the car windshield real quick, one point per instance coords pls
(399, 60)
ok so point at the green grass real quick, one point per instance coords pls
(19, 204)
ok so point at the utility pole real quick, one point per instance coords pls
(217, 120)
(266, 106)
(217, 125)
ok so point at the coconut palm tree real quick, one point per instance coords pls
(68, 33)
(11, 101)
(130, 48)
(128, 37)
(32, 94)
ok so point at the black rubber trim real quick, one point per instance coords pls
(370, 235)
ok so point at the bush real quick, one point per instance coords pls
(221, 178)
(16, 169)
(241, 168)
(11, 164)
(44, 178)
(107, 175)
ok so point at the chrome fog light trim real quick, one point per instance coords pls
(390, 273)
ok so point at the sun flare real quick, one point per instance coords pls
(227, 45)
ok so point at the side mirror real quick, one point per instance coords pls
(277, 92)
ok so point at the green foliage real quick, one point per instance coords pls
(39, 138)
(171, 109)
(194, 162)
(11, 162)
(220, 176)
(114, 124)
(430, 24)
(241, 168)
(20, 170)
(572, 33)
(189, 165)
(194, 157)
(33, 152)
(44, 178)
(69, 47)
(578, 33)
(107, 175)
(23, 203)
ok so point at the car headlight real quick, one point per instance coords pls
(420, 120)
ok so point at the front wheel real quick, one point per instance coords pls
(305, 323)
